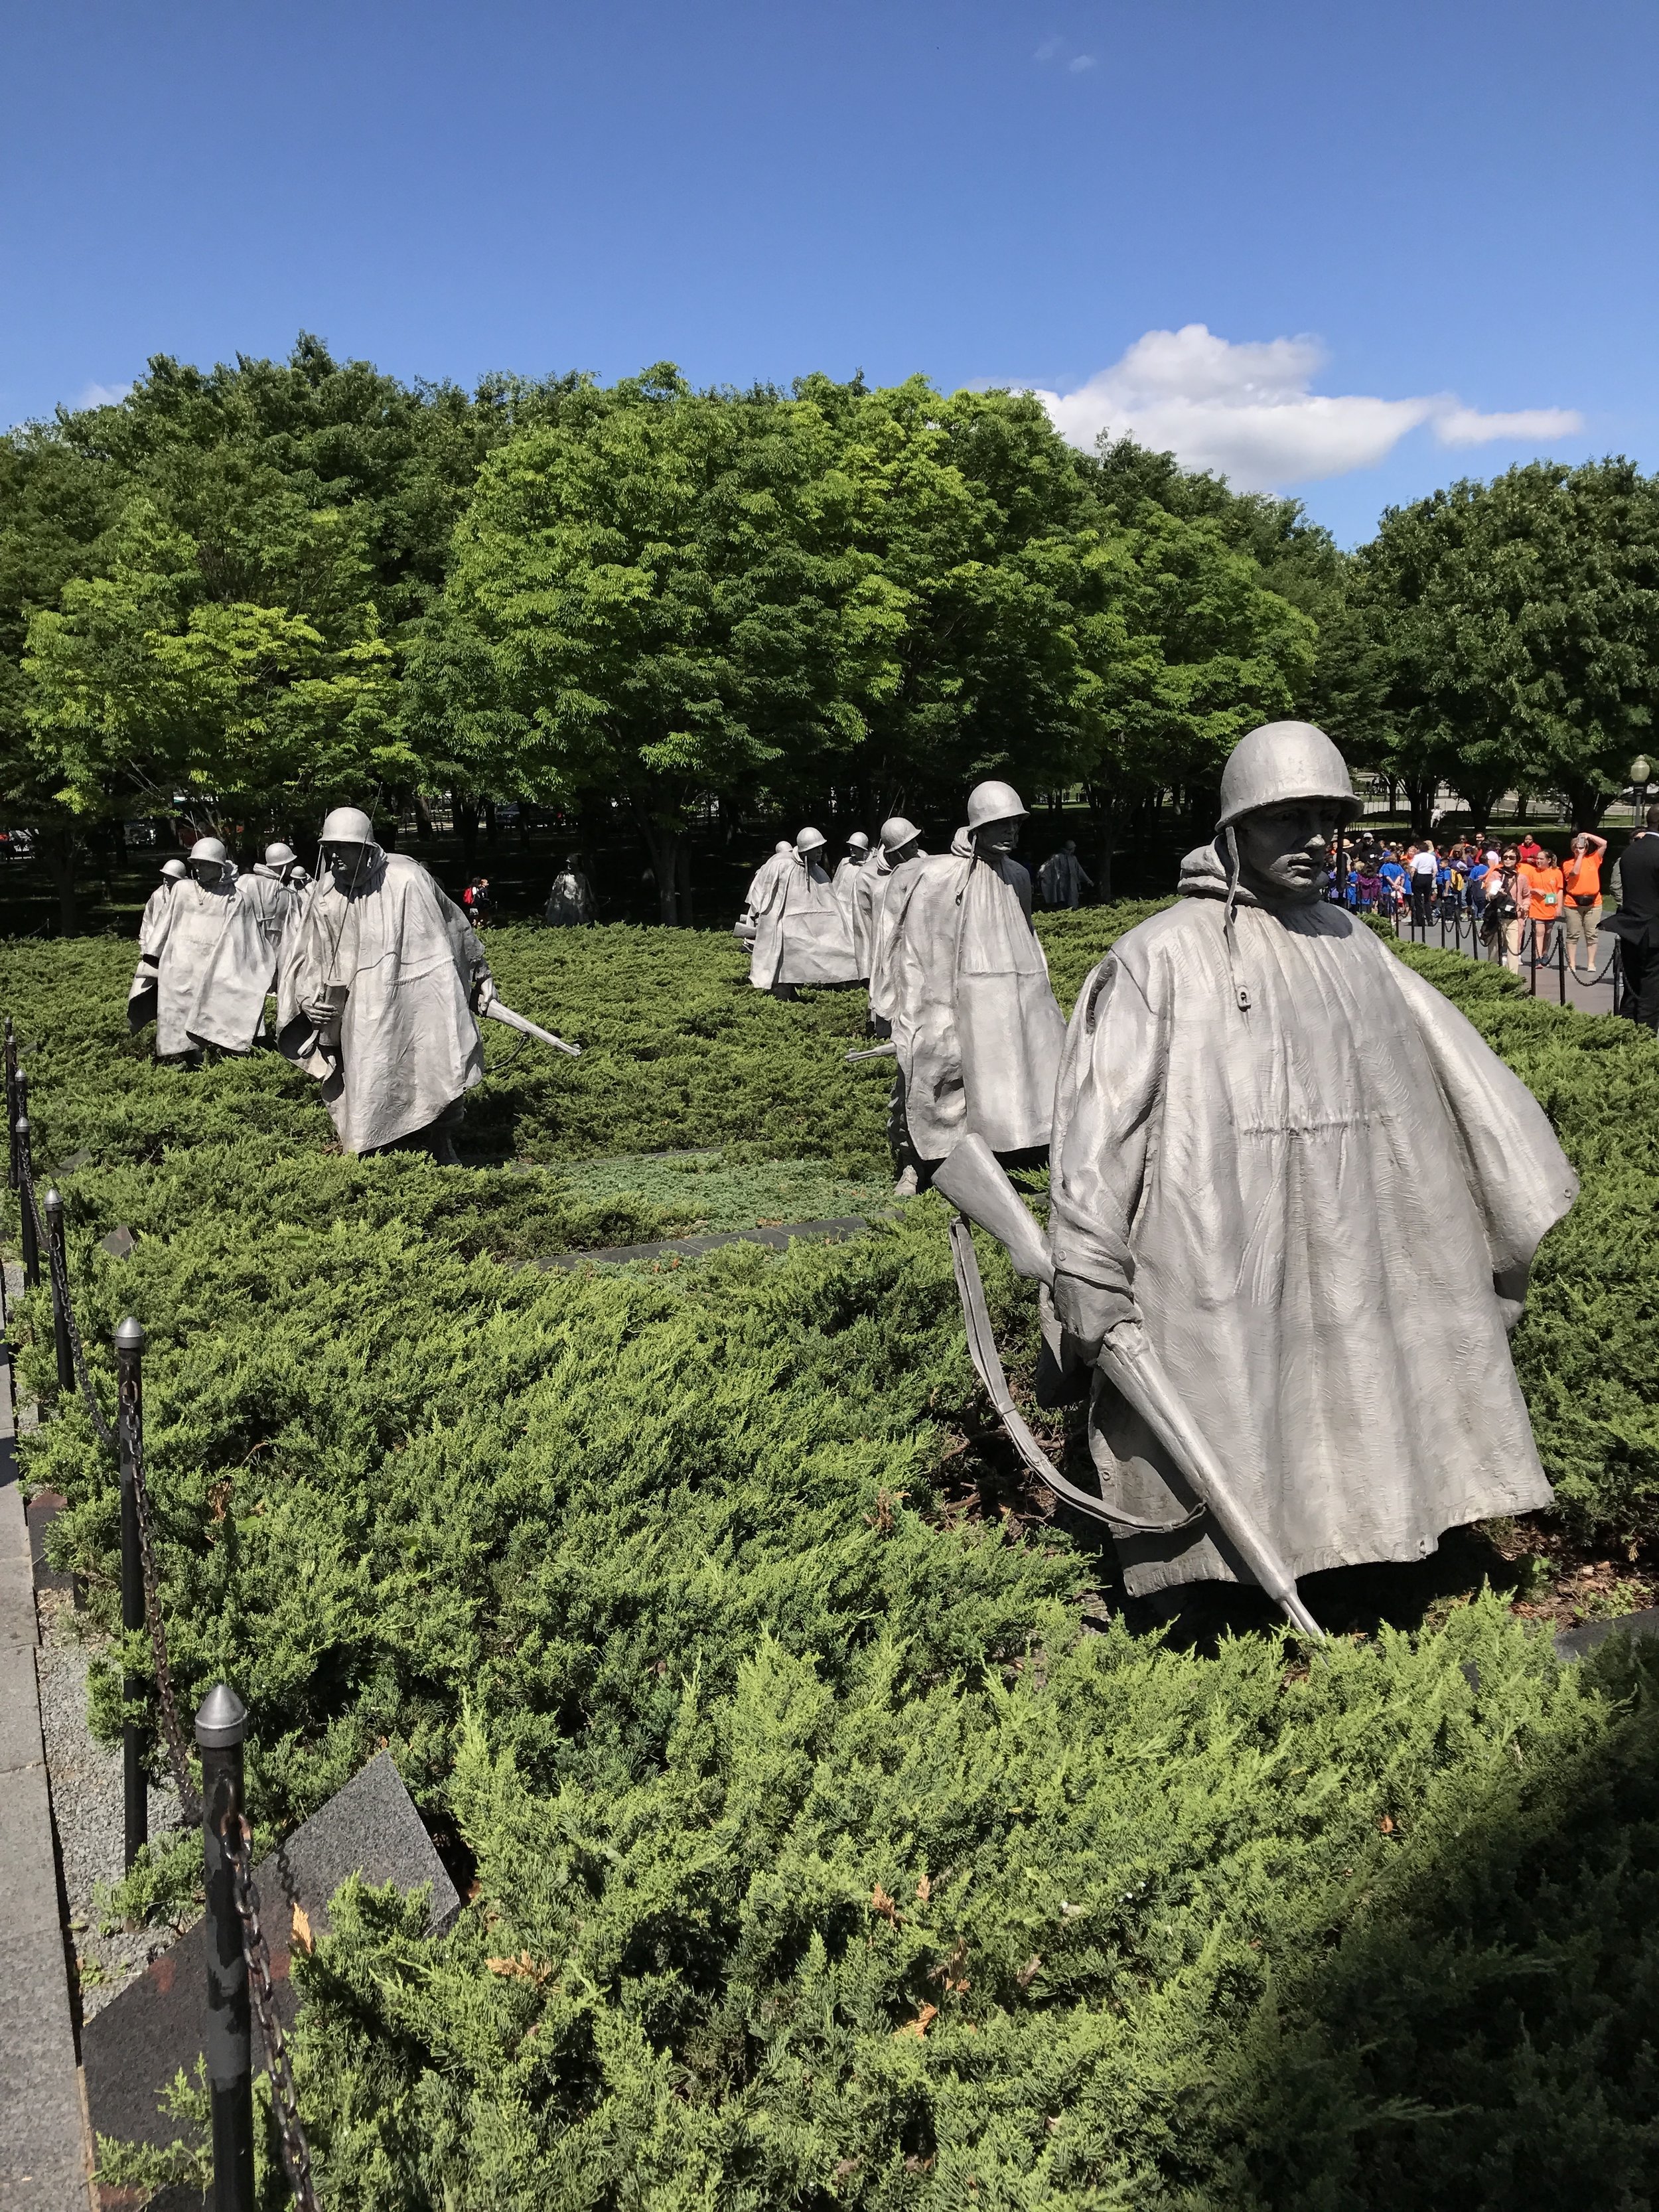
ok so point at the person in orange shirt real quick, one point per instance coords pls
(1544, 894)
(1580, 886)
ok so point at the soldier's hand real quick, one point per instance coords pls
(484, 994)
(1088, 1310)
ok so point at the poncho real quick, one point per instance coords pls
(1060, 877)
(570, 901)
(409, 963)
(1306, 1204)
(847, 871)
(292, 893)
(964, 980)
(214, 951)
(802, 933)
(867, 895)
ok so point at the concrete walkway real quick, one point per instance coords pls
(43, 2149)
(1591, 995)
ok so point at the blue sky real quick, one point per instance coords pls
(1385, 245)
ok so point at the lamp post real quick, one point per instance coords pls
(1641, 774)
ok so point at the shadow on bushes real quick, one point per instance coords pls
(1480, 2034)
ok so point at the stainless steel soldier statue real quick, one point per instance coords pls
(381, 988)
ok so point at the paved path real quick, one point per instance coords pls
(1593, 996)
(778, 1234)
(43, 2167)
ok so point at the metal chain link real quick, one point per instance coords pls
(296, 2152)
(82, 1373)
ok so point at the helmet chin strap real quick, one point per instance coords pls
(1230, 854)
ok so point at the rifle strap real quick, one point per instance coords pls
(987, 1366)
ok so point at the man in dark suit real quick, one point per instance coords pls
(1636, 923)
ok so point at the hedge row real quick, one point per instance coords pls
(831, 1851)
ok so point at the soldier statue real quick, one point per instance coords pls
(381, 986)
(207, 957)
(1254, 1090)
(963, 978)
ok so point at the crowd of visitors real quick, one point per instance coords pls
(1514, 893)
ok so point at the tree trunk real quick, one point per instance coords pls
(1102, 816)
(491, 823)
(1419, 797)
(424, 815)
(687, 912)
(59, 850)
(465, 813)
(1480, 799)
(1586, 803)
(663, 842)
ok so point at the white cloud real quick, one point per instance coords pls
(1463, 426)
(101, 395)
(1249, 411)
(1053, 50)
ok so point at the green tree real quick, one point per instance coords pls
(57, 507)
(1510, 632)
(241, 661)
(1060, 622)
(650, 600)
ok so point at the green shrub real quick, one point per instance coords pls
(827, 1854)
(1585, 1352)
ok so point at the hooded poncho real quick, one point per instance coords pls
(570, 901)
(410, 964)
(213, 953)
(866, 897)
(963, 978)
(1306, 1204)
(1061, 878)
(802, 934)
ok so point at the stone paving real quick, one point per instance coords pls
(43, 2141)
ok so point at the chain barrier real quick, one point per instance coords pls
(178, 1757)
(238, 1841)
(82, 1372)
(235, 1834)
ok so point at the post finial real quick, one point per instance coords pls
(129, 1337)
(221, 1718)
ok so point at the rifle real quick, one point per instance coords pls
(497, 1012)
(973, 1179)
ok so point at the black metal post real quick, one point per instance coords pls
(130, 1430)
(53, 1206)
(220, 1728)
(12, 1107)
(1561, 964)
(21, 1135)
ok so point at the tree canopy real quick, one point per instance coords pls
(1506, 633)
(270, 586)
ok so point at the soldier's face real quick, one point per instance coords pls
(347, 863)
(998, 836)
(1281, 851)
(206, 873)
